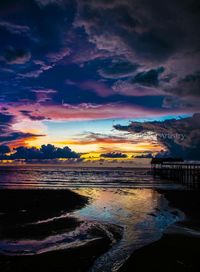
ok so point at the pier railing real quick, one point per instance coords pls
(185, 173)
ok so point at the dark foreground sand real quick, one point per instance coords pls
(73, 260)
(20, 211)
(179, 248)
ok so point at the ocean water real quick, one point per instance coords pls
(123, 197)
(58, 177)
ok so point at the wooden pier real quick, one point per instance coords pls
(177, 170)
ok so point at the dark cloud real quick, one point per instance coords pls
(33, 40)
(141, 84)
(15, 29)
(44, 3)
(46, 152)
(118, 69)
(32, 117)
(188, 86)
(149, 78)
(5, 123)
(16, 56)
(150, 30)
(116, 155)
(131, 52)
(14, 136)
(8, 135)
(146, 33)
(144, 156)
(5, 119)
(180, 137)
(4, 149)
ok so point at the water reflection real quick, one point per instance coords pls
(54, 177)
(143, 214)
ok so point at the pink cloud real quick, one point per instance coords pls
(58, 56)
(86, 111)
(44, 95)
(98, 87)
(120, 88)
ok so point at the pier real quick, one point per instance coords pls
(177, 170)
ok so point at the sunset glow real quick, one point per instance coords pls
(70, 80)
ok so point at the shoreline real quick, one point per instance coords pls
(178, 248)
(21, 220)
(38, 232)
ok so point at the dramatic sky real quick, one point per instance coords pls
(110, 79)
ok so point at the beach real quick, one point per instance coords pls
(33, 216)
(108, 220)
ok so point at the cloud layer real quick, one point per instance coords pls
(110, 49)
(89, 59)
(181, 137)
(46, 152)
(10, 136)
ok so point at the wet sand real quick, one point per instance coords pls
(178, 249)
(69, 242)
(71, 260)
(21, 206)
(33, 217)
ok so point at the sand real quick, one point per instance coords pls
(36, 215)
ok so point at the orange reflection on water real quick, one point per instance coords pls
(139, 212)
(120, 206)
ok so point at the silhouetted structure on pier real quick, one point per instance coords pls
(176, 169)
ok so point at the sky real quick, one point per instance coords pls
(109, 79)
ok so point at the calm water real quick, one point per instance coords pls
(56, 177)
(123, 197)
